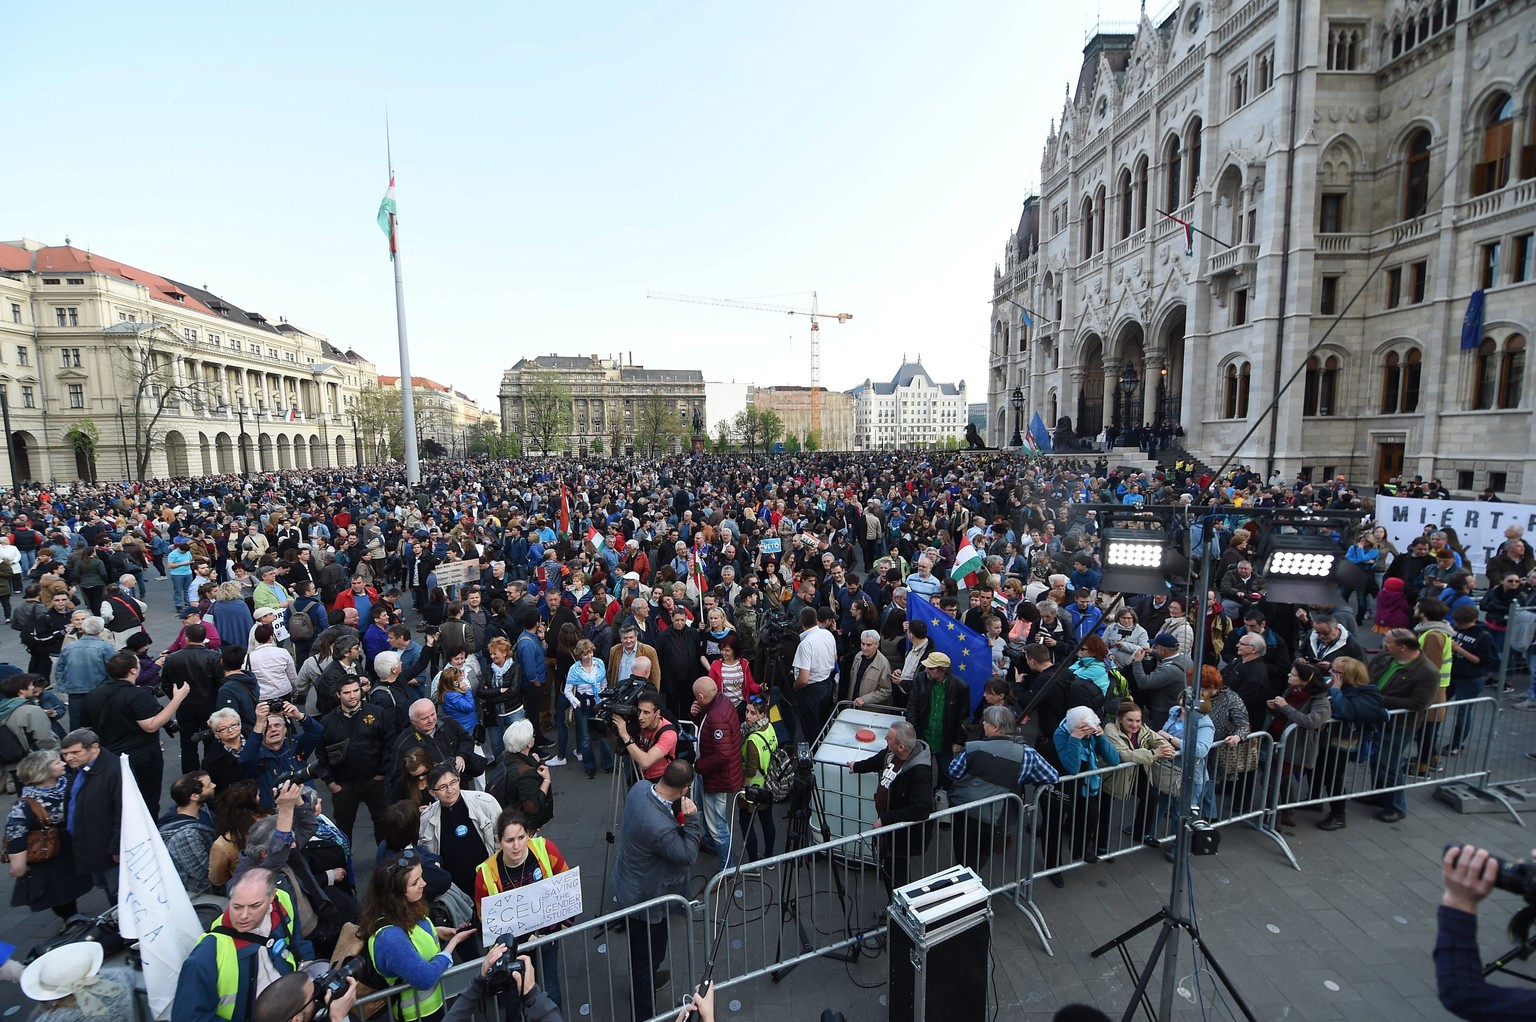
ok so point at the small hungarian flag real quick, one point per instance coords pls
(387, 217)
(999, 601)
(565, 511)
(595, 538)
(696, 573)
(968, 565)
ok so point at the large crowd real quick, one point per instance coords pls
(439, 654)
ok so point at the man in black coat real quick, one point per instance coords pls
(202, 671)
(944, 734)
(93, 807)
(351, 756)
(444, 738)
(1248, 675)
(682, 662)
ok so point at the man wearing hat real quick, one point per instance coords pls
(1162, 682)
(74, 970)
(255, 941)
(937, 708)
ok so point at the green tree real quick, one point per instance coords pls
(547, 414)
(748, 427)
(595, 445)
(792, 444)
(656, 424)
(381, 423)
(812, 440)
(770, 428)
(84, 438)
(722, 436)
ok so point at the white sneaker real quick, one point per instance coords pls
(557, 761)
(1526, 704)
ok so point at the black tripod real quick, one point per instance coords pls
(1519, 930)
(804, 801)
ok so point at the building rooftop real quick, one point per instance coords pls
(416, 381)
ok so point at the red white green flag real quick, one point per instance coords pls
(595, 538)
(967, 567)
(387, 217)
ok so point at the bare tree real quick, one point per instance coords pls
(656, 423)
(547, 414)
(148, 371)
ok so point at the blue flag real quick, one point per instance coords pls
(1472, 324)
(970, 658)
(1025, 317)
(1040, 433)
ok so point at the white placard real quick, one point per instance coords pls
(451, 573)
(523, 910)
(1479, 525)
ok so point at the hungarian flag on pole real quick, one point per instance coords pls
(565, 511)
(968, 565)
(387, 217)
(696, 574)
(595, 538)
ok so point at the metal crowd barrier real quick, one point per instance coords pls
(827, 898)
(1511, 773)
(1330, 766)
(593, 967)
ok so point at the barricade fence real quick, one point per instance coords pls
(825, 896)
(1328, 766)
(1510, 772)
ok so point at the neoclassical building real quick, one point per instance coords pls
(1330, 278)
(608, 396)
(910, 411)
(91, 344)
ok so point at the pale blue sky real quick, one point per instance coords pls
(555, 162)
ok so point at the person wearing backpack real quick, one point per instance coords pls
(305, 620)
(759, 745)
(1160, 686)
(655, 742)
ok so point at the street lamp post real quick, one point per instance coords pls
(1017, 400)
(1162, 397)
(357, 440)
(1128, 382)
(122, 431)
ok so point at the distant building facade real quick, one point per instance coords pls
(1414, 128)
(444, 414)
(89, 344)
(909, 411)
(607, 396)
(793, 407)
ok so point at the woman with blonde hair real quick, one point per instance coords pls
(584, 683)
(1357, 708)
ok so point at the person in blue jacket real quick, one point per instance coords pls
(1081, 744)
(279, 752)
(402, 943)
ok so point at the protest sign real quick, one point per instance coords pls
(523, 910)
(1479, 525)
(451, 573)
(770, 545)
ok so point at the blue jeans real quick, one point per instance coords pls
(716, 807)
(495, 737)
(584, 743)
(28, 558)
(179, 585)
(1464, 688)
(547, 970)
(1390, 762)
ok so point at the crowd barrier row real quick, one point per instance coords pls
(828, 897)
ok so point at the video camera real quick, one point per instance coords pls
(333, 982)
(1515, 877)
(619, 701)
(299, 775)
(499, 978)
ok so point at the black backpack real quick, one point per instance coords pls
(12, 749)
(685, 748)
(1083, 692)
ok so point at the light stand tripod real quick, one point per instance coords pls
(804, 800)
(1520, 931)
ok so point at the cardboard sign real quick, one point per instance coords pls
(451, 573)
(772, 545)
(1479, 525)
(525, 909)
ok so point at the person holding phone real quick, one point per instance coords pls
(402, 944)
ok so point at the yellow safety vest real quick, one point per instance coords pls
(490, 871)
(226, 956)
(413, 1006)
(1445, 647)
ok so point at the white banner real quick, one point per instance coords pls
(451, 573)
(1479, 525)
(523, 910)
(152, 904)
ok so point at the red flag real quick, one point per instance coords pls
(565, 510)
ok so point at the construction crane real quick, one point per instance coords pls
(814, 312)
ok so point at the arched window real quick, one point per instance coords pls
(1173, 159)
(1416, 190)
(1499, 374)
(1141, 194)
(1498, 138)
(1195, 132)
(1099, 210)
(1321, 386)
(1391, 384)
(1126, 209)
(1413, 366)
(1234, 403)
(1087, 227)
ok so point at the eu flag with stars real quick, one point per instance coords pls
(970, 658)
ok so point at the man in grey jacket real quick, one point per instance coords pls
(658, 845)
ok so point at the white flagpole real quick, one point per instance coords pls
(407, 399)
(152, 903)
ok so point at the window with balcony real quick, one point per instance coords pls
(1173, 161)
(1330, 213)
(1490, 264)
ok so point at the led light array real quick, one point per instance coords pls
(1301, 564)
(1126, 553)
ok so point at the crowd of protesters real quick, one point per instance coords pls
(435, 654)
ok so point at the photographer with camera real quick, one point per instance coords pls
(287, 739)
(504, 968)
(299, 998)
(1470, 874)
(128, 720)
(654, 742)
(658, 846)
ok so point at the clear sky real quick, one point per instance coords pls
(555, 162)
